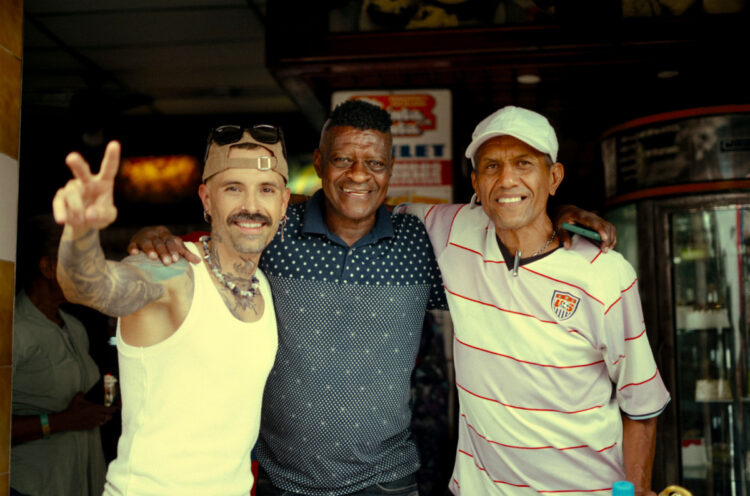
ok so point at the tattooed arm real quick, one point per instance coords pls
(85, 205)
(153, 301)
(151, 298)
(112, 288)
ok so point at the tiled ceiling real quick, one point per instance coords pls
(178, 57)
(149, 56)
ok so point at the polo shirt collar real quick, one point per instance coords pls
(314, 221)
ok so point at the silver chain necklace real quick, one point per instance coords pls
(243, 293)
(517, 260)
(554, 233)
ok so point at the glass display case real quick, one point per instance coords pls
(678, 191)
(692, 255)
(708, 248)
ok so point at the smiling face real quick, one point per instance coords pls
(513, 181)
(355, 166)
(246, 205)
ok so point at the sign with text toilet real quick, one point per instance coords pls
(422, 147)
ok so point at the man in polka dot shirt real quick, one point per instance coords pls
(351, 284)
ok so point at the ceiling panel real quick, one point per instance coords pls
(245, 55)
(195, 78)
(39, 64)
(146, 28)
(236, 105)
(190, 53)
(70, 6)
(34, 39)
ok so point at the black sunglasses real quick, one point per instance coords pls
(262, 133)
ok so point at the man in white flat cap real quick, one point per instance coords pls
(558, 387)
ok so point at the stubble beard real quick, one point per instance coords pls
(249, 244)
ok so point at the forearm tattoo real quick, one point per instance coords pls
(115, 289)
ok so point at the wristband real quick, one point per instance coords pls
(44, 419)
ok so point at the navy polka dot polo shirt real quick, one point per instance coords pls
(337, 407)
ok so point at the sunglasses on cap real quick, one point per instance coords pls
(262, 133)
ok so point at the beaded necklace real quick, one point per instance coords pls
(243, 293)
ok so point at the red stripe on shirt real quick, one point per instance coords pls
(476, 253)
(533, 447)
(636, 337)
(639, 383)
(622, 293)
(525, 408)
(612, 305)
(485, 471)
(576, 491)
(450, 230)
(498, 308)
(597, 256)
(429, 211)
(525, 361)
(526, 485)
(566, 283)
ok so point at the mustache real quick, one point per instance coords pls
(248, 217)
(358, 186)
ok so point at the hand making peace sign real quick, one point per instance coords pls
(86, 201)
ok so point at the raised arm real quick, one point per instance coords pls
(85, 205)
(86, 277)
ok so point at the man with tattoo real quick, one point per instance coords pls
(187, 335)
(351, 284)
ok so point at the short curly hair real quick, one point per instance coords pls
(361, 115)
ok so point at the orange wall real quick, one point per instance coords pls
(11, 44)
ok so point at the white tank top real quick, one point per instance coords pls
(191, 403)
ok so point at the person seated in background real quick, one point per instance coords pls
(188, 335)
(557, 384)
(56, 449)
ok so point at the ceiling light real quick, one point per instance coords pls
(158, 179)
(528, 79)
(667, 74)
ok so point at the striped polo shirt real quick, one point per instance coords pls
(546, 361)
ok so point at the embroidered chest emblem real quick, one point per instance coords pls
(564, 304)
